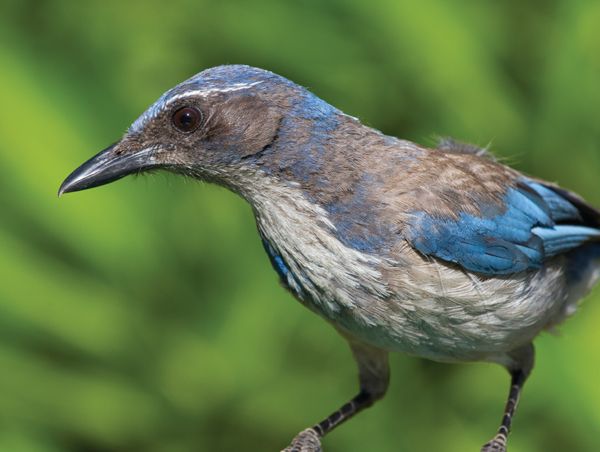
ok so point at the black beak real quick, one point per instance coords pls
(107, 166)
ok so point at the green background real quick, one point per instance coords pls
(144, 315)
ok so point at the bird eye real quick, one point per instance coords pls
(187, 119)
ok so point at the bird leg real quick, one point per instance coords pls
(520, 367)
(373, 378)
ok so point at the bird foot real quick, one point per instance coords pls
(306, 441)
(497, 444)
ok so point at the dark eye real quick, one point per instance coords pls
(187, 119)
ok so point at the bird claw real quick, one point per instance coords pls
(498, 444)
(306, 441)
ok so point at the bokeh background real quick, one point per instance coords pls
(144, 315)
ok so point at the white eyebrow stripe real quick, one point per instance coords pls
(162, 103)
(209, 91)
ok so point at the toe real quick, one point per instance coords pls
(306, 441)
(498, 444)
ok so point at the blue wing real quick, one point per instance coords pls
(539, 221)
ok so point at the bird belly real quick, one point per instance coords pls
(437, 312)
(446, 314)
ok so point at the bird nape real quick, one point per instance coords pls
(440, 252)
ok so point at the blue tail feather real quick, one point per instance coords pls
(562, 238)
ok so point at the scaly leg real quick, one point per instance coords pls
(520, 366)
(374, 377)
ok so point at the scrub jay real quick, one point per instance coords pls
(440, 252)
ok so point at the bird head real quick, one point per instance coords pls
(214, 126)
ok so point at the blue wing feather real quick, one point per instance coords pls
(520, 238)
(560, 208)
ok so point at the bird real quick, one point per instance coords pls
(440, 252)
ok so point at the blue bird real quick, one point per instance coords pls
(442, 252)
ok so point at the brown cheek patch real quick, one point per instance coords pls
(254, 123)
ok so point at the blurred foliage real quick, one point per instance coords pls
(145, 316)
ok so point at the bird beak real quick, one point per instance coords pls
(107, 166)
